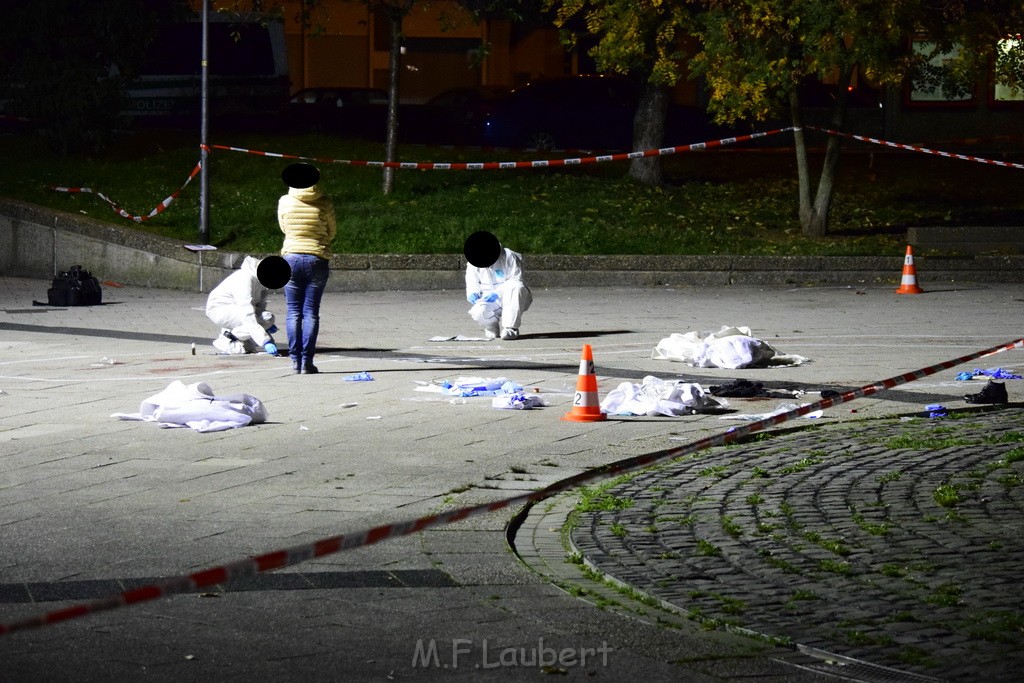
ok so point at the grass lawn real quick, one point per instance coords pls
(738, 200)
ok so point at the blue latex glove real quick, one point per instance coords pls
(271, 348)
(359, 377)
(491, 298)
(473, 298)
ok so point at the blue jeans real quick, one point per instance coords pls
(303, 293)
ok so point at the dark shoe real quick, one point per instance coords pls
(993, 392)
(297, 366)
(309, 369)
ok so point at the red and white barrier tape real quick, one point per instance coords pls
(540, 163)
(915, 148)
(328, 546)
(485, 166)
(504, 165)
(124, 214)
(488, 148)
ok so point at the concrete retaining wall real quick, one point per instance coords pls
(38, 243)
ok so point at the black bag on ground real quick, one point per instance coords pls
(75, 287)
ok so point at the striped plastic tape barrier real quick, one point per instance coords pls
(916, 148)
(505, 165)
(435, 166)
(124, 214)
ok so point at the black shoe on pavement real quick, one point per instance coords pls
(993, 392)
(309, 369)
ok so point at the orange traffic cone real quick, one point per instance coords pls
(908, 285)
(585, 405)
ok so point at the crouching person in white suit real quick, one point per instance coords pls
(494, 286)
(239, 306)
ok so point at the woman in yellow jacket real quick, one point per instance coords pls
(309, 224)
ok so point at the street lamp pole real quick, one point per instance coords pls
(204, 150)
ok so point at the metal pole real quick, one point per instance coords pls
(204, 150)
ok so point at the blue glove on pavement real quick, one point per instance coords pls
(491, 298)
(271, 348)
(473, 298)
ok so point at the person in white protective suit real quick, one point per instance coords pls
(494, 286)
(239, 306)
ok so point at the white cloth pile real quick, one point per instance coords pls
(473, 386)
(195, 406)
(658, 397)
(517, 401)
(730, 348)
(782, 408)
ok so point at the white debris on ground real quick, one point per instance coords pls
(730, 348)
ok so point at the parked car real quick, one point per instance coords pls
(453, 117)
(347, 111)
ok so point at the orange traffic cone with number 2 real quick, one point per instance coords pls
(908, 283)
(585, 405)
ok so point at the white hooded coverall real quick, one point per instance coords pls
(505, 278)
(238, 305)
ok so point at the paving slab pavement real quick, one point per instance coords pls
(89, 502)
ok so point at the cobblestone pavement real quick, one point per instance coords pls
(891, 541)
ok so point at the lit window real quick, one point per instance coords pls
(1010, 60)
(932, 80)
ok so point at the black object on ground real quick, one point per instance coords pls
(992, 392)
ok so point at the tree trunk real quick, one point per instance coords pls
(814, 216)
(803, 173)
(649, 133)
(394, 70)
(818, 225)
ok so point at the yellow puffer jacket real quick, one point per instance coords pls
(308, 222)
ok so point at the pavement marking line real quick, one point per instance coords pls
(146, 356)
(130, 378)
(291, 556)
(914, 338)
(43, 360)
(889, 336)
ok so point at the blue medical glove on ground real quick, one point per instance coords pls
(473, 298)
(491, 298)
(271, 348)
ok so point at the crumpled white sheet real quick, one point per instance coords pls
(779, 410)
(730, 348)
(658, 397)
(195, 406)
(458, 338)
